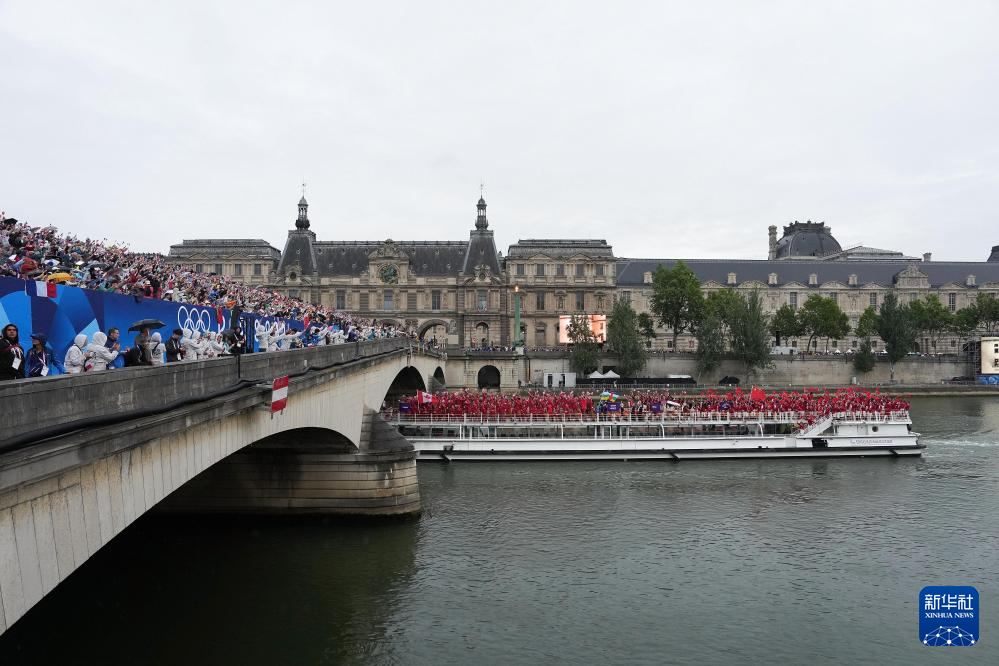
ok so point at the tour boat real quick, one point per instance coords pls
(667, 436)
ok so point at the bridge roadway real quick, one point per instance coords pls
(82, 456)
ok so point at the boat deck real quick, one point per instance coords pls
(683, 419)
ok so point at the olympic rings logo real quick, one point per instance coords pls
(195, 320)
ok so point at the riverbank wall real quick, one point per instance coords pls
(787, 370)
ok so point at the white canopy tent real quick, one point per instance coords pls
(595, 375)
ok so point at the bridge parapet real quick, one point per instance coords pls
(43, 406)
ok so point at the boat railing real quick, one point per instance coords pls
(664, 418)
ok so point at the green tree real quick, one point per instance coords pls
(725, 304)
(647, 328)
(821, 317)
(624, 339)
(585, 354)
(676, 299)
(987, 312)
(750, 334)
(964, 322)
(864, 359)
(897, 327)
(710, 343)
(867, 325)
(785, 324)
(931, 317)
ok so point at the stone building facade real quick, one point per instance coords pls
(556, 278)
(449, 291)
(249, 259)
(465, 292)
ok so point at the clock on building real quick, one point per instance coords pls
(389, 273)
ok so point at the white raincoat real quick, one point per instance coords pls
(98, 354)
(157, 349)
(190, 344)
(76, 358)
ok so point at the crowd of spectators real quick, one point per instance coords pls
(44, 254)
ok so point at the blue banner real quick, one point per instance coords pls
(61, 313)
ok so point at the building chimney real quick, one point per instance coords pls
(927, 256)
(773, 241)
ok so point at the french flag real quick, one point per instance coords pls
(45, 289)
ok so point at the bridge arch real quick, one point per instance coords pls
(434, 328)
(306, 437)
(488, 377)
(481, 334)
(438, 380)
(406, 382)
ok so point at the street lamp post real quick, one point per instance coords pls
(517, 342)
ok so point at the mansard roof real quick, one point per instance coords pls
(298, 251)
(425, 258)
(481, 251)
(631, 272)
(867, 253)
(561, 248)
(251, 247)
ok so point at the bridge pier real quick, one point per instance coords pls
(320, 477)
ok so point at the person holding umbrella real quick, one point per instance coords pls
(144, 326)
(11, 354)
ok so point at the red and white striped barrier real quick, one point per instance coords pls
(279, 394)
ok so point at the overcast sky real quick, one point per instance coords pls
(672, 129)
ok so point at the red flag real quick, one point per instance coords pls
(218, 315)
(757, 394)
(306, 321)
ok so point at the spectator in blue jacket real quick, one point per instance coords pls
(42, 360)
(114, 344)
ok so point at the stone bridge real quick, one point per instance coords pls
(85, 455)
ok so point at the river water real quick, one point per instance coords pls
(815, 561)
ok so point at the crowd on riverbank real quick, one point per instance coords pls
(536, 403)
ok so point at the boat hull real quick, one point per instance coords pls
(503, 449)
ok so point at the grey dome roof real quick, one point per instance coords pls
(806, 239)
(994, 257)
